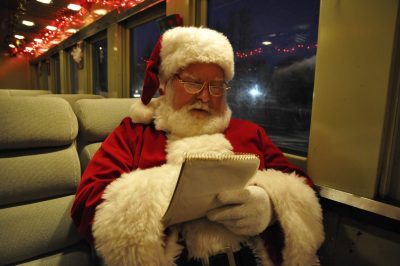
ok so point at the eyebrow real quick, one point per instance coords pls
(190, 76)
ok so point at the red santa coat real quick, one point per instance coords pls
(293, 240)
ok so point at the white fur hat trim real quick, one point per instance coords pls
(182, 46)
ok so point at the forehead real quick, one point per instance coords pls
(203, 71)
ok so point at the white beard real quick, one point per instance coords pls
(180, 123)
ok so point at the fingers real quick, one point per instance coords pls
(237, 224)
(245, 212)
(240, 230)
(232, 212)
(234, 196)
(234, 221)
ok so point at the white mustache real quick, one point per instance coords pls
(199, 105)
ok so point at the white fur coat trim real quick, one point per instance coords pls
(128, 230)
(299, 213)
(127, 226)
(140, 113)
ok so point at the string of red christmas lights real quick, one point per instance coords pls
(287, 50)
(66, 25)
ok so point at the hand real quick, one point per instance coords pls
(246, 212)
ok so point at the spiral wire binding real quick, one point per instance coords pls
(219, 156)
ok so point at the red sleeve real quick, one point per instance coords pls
(114, 157)
(274, 158)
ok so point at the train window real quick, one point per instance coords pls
(43, 75)
(73, 74)
(275, 46)
(55, 73)
(143, 39)
(99, 57)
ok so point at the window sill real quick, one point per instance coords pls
(359, 202)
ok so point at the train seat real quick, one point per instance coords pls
(73, 98)
(40, 171)
(4, 92)
(97, 118)
(17, 92)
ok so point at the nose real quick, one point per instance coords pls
(204, 94)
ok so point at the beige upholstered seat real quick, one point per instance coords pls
(97, 119)
(39, 174)
(73, 98)
(4, 92)
(16, 92)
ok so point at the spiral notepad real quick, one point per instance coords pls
(201, 178)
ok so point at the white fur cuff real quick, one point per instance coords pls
(299, 213)
(127, 225)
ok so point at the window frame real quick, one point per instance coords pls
(55, 73)
(101, 36)
(146, 16)
(389, 185)
(69, 64)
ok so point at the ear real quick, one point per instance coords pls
(163, 86)
(162, 91)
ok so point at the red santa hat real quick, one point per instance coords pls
(180, 47)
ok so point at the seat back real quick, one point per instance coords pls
(97, 119)
(73, 98)
(4, 92)
(17, 92)
(40, 171)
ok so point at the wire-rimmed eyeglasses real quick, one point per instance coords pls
(216, 88)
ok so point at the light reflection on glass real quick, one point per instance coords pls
(254, 92)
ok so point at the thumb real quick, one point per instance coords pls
(238, 196)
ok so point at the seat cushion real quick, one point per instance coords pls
(4, 92)
(34, 174)
(78, 255)
(98, 118)
(31, 230)
(73, 98)
(87, 154)
(34, 122)
(15, 92)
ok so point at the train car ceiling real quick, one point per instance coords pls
(35, 26)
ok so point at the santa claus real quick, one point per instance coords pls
(125, 190)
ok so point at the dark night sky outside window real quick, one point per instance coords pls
(274, 83)
(56, 73)
(143, 40)
(100, 67)
(73, 68)
(43, 75)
